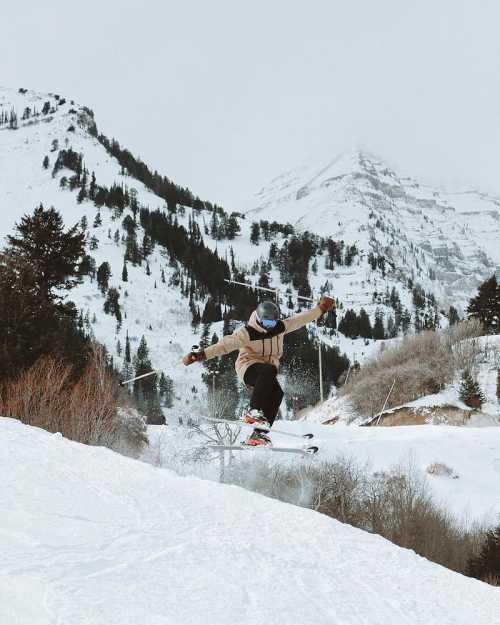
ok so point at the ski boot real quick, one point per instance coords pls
(256, 417)
(257, 438)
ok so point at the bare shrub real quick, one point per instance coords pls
(218, 404)
(462, 341)
(396, 504)
(441, 469)
(46, 396)
(420, 364)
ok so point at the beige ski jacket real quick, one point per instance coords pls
(257, 344)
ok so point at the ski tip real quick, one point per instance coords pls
(311, 450)
(308, 436)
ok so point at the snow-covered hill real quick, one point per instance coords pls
(446, 241)
(89, 536)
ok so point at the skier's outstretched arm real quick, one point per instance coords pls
(227, 344)
(298, 321)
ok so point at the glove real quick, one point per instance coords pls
(327, 303)
(194, 357)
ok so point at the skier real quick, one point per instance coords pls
(260, 345)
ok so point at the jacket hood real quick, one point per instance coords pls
(253, 323)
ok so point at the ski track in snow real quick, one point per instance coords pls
(89, 537)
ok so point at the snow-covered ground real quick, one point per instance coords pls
(89, 537)
(472, 454)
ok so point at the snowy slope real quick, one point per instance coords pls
(446, 241)
(160, 313)
(90, 537)
(355, 198)
(470, 492)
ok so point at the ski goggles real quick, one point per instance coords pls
(268, 323)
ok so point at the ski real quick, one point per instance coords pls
(304, 451)
(258, 427)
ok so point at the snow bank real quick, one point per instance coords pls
(88, 536)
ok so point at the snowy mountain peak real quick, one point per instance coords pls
(446, 241)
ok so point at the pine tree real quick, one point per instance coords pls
(486, 305)
(166, 390)
(214, 225)
(46, 162)
(103, 276)
(145, 390)
(364, 325)
(255, 233)
(453, 316)
(97, 220)
(125, 272)
(53, 254)
(486, 566)
(470, 391)
(378, 326)
(33, 323)
(112, 304)
(498, 384)
(127, 349)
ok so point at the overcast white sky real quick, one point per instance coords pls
(223, 95)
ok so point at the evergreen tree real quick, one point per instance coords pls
(486, 305)
(112, 304)
(147, 245)
(349, 324)
(145, 390)
(378, 326)
(54, 255)
(453, 316)
(470, 391)
(255, 233)
(46, 162)
(486, 566)
(212, 312)
(214, 225)
(124, 272)
(34, 323)
(232, 227)
(103, 276)
(405, 320)
(498, 384)
(82, 194)
(97, 220)
(364, 325)
(127, 349)
(264, 276)
(166, 390)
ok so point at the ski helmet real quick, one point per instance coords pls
(268, 314)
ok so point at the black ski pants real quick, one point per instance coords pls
(267, 393)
